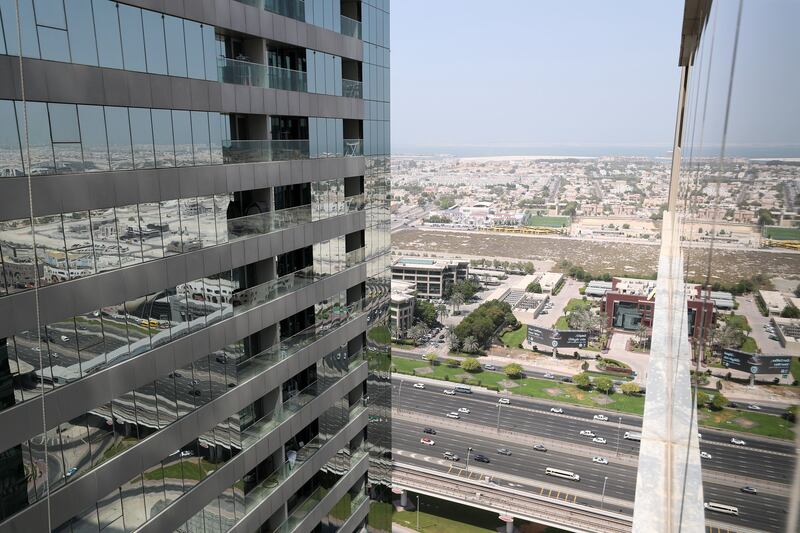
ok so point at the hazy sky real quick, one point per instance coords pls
(587, 77)
(533, 72)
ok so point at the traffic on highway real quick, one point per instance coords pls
(517, 442)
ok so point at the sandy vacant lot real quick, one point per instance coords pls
(598, 257)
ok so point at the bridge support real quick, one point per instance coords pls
(509, 520)
(404, 498)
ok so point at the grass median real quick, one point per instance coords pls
(740, 421)
(441, 516)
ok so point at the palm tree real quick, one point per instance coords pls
(456, 301)
(441, 311)
(470, 345)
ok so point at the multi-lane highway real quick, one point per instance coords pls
(764, 463)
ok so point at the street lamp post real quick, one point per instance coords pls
(602, 498)
(417, 512)
(468, 452)
(619, 425)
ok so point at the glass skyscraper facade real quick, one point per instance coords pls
(194, 265)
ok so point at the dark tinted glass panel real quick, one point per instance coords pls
(10, 155)
(81, 32)
(130, 21)
(107, 30)
(38, 136)
(176, 51)
(200, 138)
(155, 47)
(50, 13)
(142, 138)
(182, 132)
(194, 50)
(93, 136)
(209, 52)
(162, 134)
(119, 138)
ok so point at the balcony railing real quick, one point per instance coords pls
(295, 9)
(350, 27)
(353, 147)
(354, 257)
(264, 150)
(258, 75)
(352, 88)
(356, 202)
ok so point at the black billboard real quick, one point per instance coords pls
(755, 363)
(558, 338)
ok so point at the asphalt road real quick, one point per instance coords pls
(761, 511)
(753, 461)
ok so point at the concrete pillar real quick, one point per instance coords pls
(404, 498)
(510, 526)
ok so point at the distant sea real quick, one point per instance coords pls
(762, 151)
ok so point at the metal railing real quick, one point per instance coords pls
(234, 151)
(353, 147)
(352, 88)
(242, 72)
(350, 27)
(295, 9)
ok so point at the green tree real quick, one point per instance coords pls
(441, 311)
(582, 380)
(513, 370)
(604, 384)
(425, 312)
(470, 364)
(765, 217)
(452, 362)
(534, 286)
(790, 311)
(470, 345)
(630, 388)
(719, 401)
(418, 331)
(456, 301)
(432, 358)
(730, 335)
(702, 398)
(585, 366)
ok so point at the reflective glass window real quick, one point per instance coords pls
(54, 44)
(152, 237)
(130, 22)
(50, 13)
(176, 49)
(30, 42)
(38, 137)
(10, 154)
(81, 32)
(130, 231)
(109, 44)
(200, 138)
(215, 128)
(2, 33)
(195, 60)
(93, 138)
(142, 138)
(209, 52)
(162, 135)
(64, 123)
(104, 237)
(182, 133)
(155, 46)
(119, 138)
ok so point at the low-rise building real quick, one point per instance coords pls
(401, 307)
(430, 276)
(774, 300)
(598, 288)
(549, 280)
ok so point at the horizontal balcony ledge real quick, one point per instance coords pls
(66, 193)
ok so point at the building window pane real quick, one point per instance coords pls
(130, 22)
(155, 47)
(164, 141)
(200, 138)
(209, 52)
(142, 138)
(10, 154)
(194, 50)
(41, 151)
(119, 138)
(176, 51)
(64, 123)
(93, 138)
(50, 13)
(182, 132)
(55, 46)
(215, 127)
(81, 32)
(108, 38)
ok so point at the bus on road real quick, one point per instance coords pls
(566, 474)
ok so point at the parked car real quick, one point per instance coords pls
(71, 471)
(429, 431)
(428, 441)
(600, 460)
(503, 451)
(540, 447)
(754, 407)
(548, 375)
(490, 367)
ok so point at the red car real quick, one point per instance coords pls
(426, 440)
